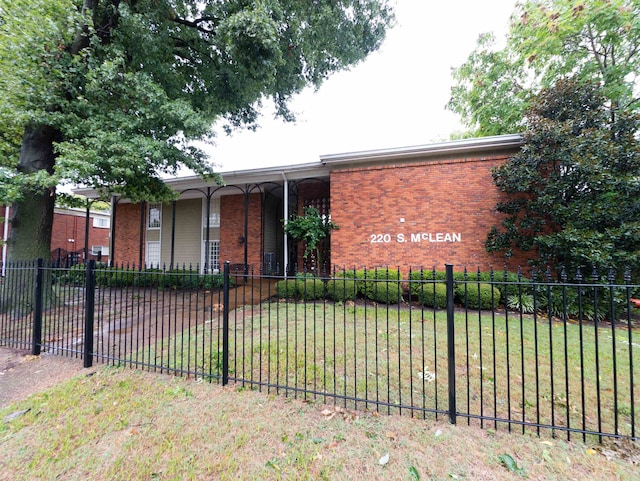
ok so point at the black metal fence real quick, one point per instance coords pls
(493, 349)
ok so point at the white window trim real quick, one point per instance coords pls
(154, 206)
(215, 203)
(214, 269)
(97, 221)
(103, 250)
(147, 261)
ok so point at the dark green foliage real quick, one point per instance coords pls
(74, 275)
(116, 277)
(506, 283)
(341, 290)
(476, 295)
(367, 279)
(572, 191)
(287, 288)
(302, 286)
(310, 289)
(431, 294)
(310, 228)
(122, 94)
(387, 292)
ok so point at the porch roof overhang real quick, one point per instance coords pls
(192, 186)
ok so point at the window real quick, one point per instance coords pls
(153, 216)
(214, 213)
(152, 257)
(213, 260)
(100, 250)
(101, 222)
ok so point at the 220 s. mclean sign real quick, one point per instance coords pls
(416, 237)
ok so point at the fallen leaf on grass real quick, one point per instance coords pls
(413, 472)
(508, 462)
(334, 411)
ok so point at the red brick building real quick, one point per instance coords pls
(68, 233)
(415, 207)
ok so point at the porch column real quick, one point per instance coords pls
(173, 233)
(207, 236)
(286, 220)
(86, 231)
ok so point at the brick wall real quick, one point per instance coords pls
(68, 231)
(232, 214)
(394, 214)
(69, 227)
(127, 235)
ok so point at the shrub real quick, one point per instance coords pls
(356, 276)
(366, 279)
(341, 289)
(388, 292)
(172, 279)
(310, 289)
(431, 294)
(509, 286)
(74, 276)
(477, 295)
(287, 288)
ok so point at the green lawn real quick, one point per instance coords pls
(394, 360)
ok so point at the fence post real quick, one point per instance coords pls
(37, 314)
(225, 325)
(90, 285)
(451, 345)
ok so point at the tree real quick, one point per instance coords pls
(597, 41)
(113, 94)
(310, 228)
(573, 189)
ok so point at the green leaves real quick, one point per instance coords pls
(126, 90)
(310, 228)
(597, 41)
(130, 86)
(508, 462)
(572, 192)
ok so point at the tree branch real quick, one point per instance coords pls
(82, 37)
(196, 23)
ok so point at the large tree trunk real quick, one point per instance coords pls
(31, 224)
(32, 217)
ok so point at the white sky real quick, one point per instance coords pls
(395, 98)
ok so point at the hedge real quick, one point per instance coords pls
(388, 292)
(477, 295)
(366, 279)
(115, 277)
(431, 295)
(341, 290)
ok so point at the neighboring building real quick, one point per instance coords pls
(68, 234)
(415, 207)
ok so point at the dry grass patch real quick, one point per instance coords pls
(122, 424)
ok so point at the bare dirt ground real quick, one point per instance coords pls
(22, 374)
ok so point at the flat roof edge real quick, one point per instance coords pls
(479, 144)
